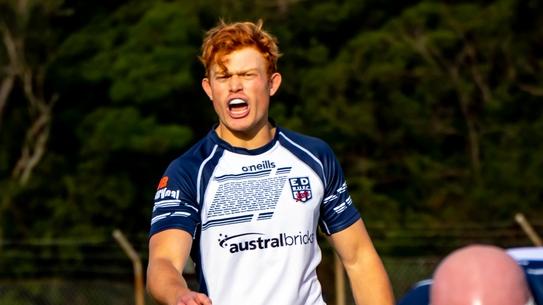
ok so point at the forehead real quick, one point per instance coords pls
(243, 59)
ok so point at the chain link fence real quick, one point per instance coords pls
(65, 291)
(98, 272)
(403, 273)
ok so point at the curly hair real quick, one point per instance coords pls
(226, 38)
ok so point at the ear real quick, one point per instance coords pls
(206, 85)
(275, 82)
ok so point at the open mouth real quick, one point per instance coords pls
(237, 104)
(238, 108)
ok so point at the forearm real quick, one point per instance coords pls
(369, 281)
(164, 282)
(367, 275)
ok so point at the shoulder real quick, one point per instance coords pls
(195, 157)
(313, 145)
(526, 253)
(418, 295)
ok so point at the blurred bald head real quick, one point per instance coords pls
(479, 275)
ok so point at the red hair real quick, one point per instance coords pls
(226, 38)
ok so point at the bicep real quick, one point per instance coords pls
(352, 242)
(367, 275)
(171, 245)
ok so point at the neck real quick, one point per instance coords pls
(246, 139)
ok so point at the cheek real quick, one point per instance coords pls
(261, 89)
(216, 105)
(217, 102)
(218, 93)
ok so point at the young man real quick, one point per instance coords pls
(246, 200)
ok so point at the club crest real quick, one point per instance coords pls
(301, 189)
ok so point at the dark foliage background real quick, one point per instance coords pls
(434, 108)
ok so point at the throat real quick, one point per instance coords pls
(248, 139)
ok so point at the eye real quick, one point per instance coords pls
(249, 75)
(222, 77)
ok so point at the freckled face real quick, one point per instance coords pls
(241, 93)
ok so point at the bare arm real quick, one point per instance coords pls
(367, 275)
(168, 253)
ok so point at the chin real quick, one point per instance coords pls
(241, 125)
(247, 130)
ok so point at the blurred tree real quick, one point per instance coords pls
(26, 65)
(433, 108)
(136, 65)
(26, 104)
(411, 104)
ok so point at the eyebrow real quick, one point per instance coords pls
(227, 72)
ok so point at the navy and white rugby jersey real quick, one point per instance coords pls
(254, 215)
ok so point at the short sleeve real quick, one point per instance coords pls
(175, 205)
(337, 209)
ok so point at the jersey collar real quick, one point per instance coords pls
(244, 151)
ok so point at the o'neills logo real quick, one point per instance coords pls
(258, 241)
(266, 164)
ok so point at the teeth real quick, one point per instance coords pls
(236, 101)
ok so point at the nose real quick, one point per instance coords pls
(235, 83)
